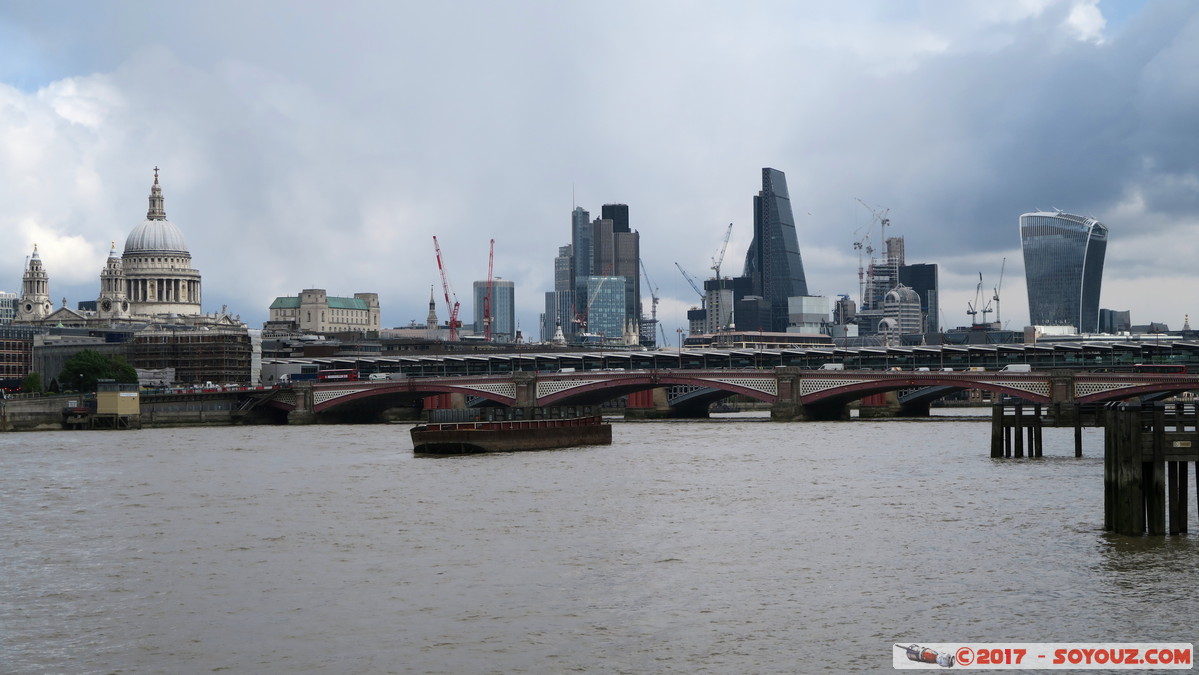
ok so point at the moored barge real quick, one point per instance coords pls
(456, 432)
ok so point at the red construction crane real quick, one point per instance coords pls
(445, 287)
(487, 298)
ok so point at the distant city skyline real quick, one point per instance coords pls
(285, 173)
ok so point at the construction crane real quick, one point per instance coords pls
(691, 281)
(653, 291)
(719, 258)
(653, 294)
(487, 297)
(996, 297)
(445, 287)
(973, 307)
(864, 244)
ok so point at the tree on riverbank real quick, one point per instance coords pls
(31, 384)
(82, 370)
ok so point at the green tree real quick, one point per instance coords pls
(82, 370)
(32, 383)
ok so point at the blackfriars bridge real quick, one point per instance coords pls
(792, 393)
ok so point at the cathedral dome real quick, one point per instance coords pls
(156, 234)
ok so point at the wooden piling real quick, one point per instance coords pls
(1146, 451)
(1037, 422)
(997, 431)
(1078, 436)
(1019, 430)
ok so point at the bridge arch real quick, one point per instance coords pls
(826, 391)
(501, 391)
(567, 391)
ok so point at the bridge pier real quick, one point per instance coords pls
(304, 412)
(652, 405)
(794, 411)
(875, 406)
(526, 390)
(789, 407)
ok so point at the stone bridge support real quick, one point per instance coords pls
(305, 405)
(658, 405)
(526, 389)
(790, 408)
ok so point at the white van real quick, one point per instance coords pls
(1017, 368)
(833, 366)
(378, 376)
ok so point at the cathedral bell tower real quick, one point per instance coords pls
(113, 303)
(35, 302)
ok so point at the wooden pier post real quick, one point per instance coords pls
(1146, 451)
(1078, 436)
(1109, 470)
(1035, 433)
(1019, 430)
(997, 446)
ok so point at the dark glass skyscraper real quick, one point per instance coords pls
(922, 278)
(773, 263)
(618, 214)
(1063, 267)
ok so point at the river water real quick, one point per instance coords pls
(728, 546)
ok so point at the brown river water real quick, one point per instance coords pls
(726, 546)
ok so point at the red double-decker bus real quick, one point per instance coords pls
(335, 375)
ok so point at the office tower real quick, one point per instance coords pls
(618, 214)
(1063, 267)
(8, 307)
(773, 262)
(883, 274)
(558, 315)
(719, 301)
(580, 246)
(564, 268)
(503, 309)
(922, 278)
(1113, 321)
(558, 302)
(902, 313)
(807, 314)
(616, 253)
(604, 313)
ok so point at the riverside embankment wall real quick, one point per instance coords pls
(42, 413)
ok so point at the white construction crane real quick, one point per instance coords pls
(702, 297)
(653, 292)
(973, 307)
(719, 258)
(996, 298)
(864, 244)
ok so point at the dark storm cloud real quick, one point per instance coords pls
(305, 147)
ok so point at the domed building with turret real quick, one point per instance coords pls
(148, 311)
(151, 282)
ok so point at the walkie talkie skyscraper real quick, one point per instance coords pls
(1063, 268)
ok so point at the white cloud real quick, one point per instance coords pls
(1086, 21)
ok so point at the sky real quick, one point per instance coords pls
(302, 146)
